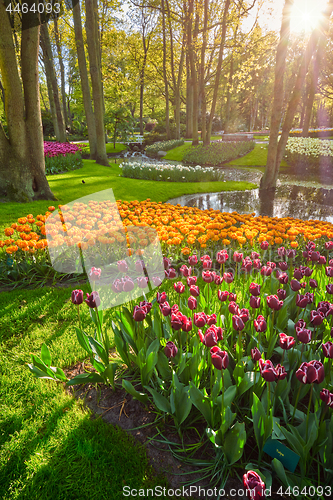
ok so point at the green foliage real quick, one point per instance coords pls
(218, 152)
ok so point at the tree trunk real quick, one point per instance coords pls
(166, 83)
(202, 73)
(218, 71)
(194, 76)
(62, 71)
(81, 57)
(313, 89)
(22, 167)
(96, 81)
(51, 76)
(51, 102)
(189, 99)
(267, 181)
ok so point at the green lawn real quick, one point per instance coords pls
(68, 187)
(256, 158)
(49, 446)
(177, 154)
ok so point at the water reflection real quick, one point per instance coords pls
(295, 201)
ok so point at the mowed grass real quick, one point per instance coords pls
(256, 158)
(69, 186)
(50, 447)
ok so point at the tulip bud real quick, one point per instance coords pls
(170, 273)
(302, 301)
(207, 276)
(286, 342)
(166, 263)
(139, 313)
(179, 287)
(237, 257)
(295, 285)
(228, 277)
(200, 319)
(267, 370)
(282, 294)
(185, 271)
(237, 323)
(170, 350)
(264, 245)
(254, 289)
(222, 295)
(191, 280)
(255, 302)
(77, 297)
(222, 257)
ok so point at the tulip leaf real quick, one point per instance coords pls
(38, 372)
(128, 321)
(45, 355)
(83, 340)
(202, 403)
(129, 339)
(160, 401)
(153, 347)
(247, 382)
(162, 366)
(100, 367)
(281, 473)
(259, 417)
(110, 372)
(98, 350)
(234, 443)
(121, 346)
(227, 419)
(229, 396)
(140, 396)
(86, 378)
(158, 327)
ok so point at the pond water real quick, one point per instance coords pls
(292, 198)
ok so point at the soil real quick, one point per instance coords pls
(120, 409)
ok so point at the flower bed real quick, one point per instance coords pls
(313, 132)
(310, 152)
(246, 353)
(169, 173)
(62, 157)
(218, 152)
(153, 149)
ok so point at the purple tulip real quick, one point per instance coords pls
(191, 280)
(329, 245)
(170, 273)
(298, 274)
(302, 301)
(264, 245)
(255, 302)
(267, 370)
(316, 318)
(185, 271)
(303, 335)
(255, 354)
(211, 319)
(237, 323)
(233, 308)
(142, 282)
(161, 297)
(326, 396)
(166, 263)
(193, 260)
(194, 291)
(232, 297)
(207, 276)
(295, 285)
(280, 372)
(95, 273)
(283, 266)
(329, 272)
(237, 257)
(266, 271)
(139, 313)
(260, 324)
(209, 339)
(228, 278)
(281, 252)
(274, 303)
(165, 308)
(282, 294)
(222, 257)
(128, 284)
(186, 324)
(255, 255)
(254, 484)
(176, 320)
(313, 283)
(179, 287)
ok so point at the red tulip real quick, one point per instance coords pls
(220, 359)
(207, 276)
(222, 295)
(255, 255)
(139, 313)
(142, 282)
(193, 260)
(179, 287)
(237, 257)
(192, 303)
(255, 354)
(237, 323)
(95, 273)
(260, 324)
(283, 278)
(286, 342)
(191, 280)
(206, 263)
(211, 319)
(186, 324)
(177, 320)
(170, 350)
(209, 339)
(267, 370)
(264, 245)
(77, 297)
(280, 372)
(274, 303)
(222, 257)
(329, 272)
(311, 372)
(122, 266)
(228, 277)
(282, 294)
(194, 291)
(266, 271)
(328, 349)
(326, 396)
(232, 297)
(170, 273)
(254, 289)
(329, 245)
(255, 302)
(254, 484)
(161, 297)
(233, 308)
(146, 305)
(165, 308)
(200, 319)
(185, 271)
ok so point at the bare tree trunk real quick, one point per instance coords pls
(90, 117)
(96, 81)
(62, 71)
(51, 76)
(267, 180)
(166, 84)
(194, 76)
(51, 102)
(218, 71)
(22, 167)
(313, 88)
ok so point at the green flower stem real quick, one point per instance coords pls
(268, 398)
(323, 415)
(308, 413)
(297, 397)
(78, 313)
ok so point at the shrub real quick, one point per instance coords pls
(218, 152)
(169, 173)
(310, 152)
(163, 146)
(150, 126)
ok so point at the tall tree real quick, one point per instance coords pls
(89, 112)
(166, 84)
(22, 166)
(52, 82)
(62, 71)
(93, 41)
